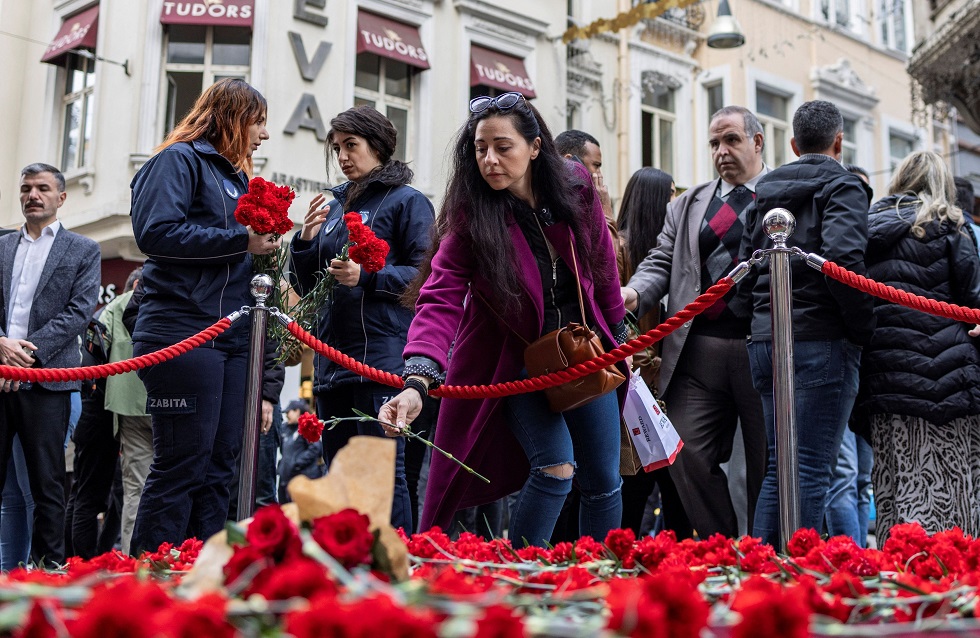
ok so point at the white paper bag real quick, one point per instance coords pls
(654, 436)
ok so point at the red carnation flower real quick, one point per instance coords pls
(274, 535)
(631, 613)
(499, 621)
(296, 578)
(202, 617)
(802, 541)
(265, 207)
(247, 570)
(365, 248)
(356, 229)
(310, 427)
(346, 536)
(620, 543)
(366, 618)
(370, 255)
(770, 610)
(37, 624)
(123, 609)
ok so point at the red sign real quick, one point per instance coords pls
(77, 32)
(499, 71)
(228, 13)
(115, 272)
(390, 39)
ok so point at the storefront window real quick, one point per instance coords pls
(849, 155)
(197, 57)
(386, 85)
(658, 124)
(900, 146)
(78, 113)
(773, 112)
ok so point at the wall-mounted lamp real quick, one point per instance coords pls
(725, 32)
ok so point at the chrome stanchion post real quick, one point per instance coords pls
(260, 287)
(779, 225)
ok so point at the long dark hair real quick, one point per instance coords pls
(381, 136)
(642, 212)
(479, 214)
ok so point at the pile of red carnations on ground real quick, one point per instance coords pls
(333, 576)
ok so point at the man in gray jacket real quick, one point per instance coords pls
(704, 376)
(49, 282)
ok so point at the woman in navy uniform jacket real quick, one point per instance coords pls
(198, 270)
(364, 318)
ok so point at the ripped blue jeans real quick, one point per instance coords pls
(587, 439)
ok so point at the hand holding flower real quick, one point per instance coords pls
(346, 272)
(263, 244)
(401, 410)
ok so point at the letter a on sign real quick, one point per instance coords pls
(307, 115)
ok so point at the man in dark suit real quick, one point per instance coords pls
(704, 375)
(50, 284)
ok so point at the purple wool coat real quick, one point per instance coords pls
(474, 430)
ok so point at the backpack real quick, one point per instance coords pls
(96, 343)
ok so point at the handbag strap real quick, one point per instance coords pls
(553, 254)
(486, 302)
(551, 251)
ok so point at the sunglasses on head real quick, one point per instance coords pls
(503, 102)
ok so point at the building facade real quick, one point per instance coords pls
(657, 107)
(945, 64)
(93, 86)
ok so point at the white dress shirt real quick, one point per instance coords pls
(725, 189)
(28, 263)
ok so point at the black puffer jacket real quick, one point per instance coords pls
(367, 321)
(919, 364)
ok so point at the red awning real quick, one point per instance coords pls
(390, 39)
(77, 32)
(499, 71)
(226, 13)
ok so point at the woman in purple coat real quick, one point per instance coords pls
(500, 276)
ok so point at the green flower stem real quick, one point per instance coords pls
(306, 311)
(406, 431)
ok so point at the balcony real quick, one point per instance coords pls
(946, 64)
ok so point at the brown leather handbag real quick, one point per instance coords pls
(563, 348)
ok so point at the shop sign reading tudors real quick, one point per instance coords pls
(500, 71)
(235, 13)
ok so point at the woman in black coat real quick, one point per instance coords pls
(920, 376)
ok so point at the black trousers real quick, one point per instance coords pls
(368, 398)
(96, 459)
(636, 493)
(198, 416)
(710, 393)
(40, 418)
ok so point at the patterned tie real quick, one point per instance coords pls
(720, 237)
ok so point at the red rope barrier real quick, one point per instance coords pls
(901, 297)
(52, 375)
(696, 307)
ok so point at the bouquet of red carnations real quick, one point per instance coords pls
(363, 246)
(265, 208)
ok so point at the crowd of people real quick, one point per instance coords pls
(526, 241)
